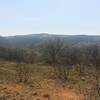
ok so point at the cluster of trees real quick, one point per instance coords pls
(19, 55)
(63, 58)
(55, 52)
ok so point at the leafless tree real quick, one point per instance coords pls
(23, 72)
(52, 48)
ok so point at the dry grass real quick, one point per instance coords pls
(24, 92)
(45, 86)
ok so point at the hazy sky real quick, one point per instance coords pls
(50, 16)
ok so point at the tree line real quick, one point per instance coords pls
(20, 55)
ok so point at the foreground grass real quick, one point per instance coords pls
(44, 85)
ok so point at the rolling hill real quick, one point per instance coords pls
(34, 40)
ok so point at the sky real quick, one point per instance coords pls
(49, 16)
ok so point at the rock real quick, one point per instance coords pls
(35, 94)
(46, 96)
(36, 99)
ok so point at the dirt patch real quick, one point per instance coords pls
(23, 92)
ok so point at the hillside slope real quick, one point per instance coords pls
(34, 40)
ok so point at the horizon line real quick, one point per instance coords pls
(38, 33)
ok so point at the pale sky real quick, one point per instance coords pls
(49, 16)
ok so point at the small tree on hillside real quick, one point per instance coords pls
(82, 60)
(66, 59)
(23, 72)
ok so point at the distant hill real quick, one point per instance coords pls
(34, 40)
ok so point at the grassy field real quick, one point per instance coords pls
(44, 85)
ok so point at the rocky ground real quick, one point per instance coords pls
(24, 92)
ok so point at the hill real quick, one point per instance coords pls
(34, 40)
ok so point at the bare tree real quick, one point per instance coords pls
(52, 49)
(67, 59)
(23, 72)
(82, 60)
